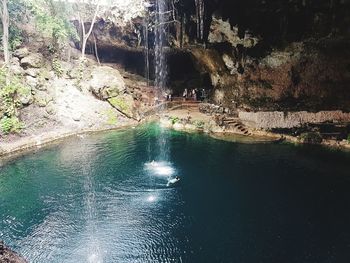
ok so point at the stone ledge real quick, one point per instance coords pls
(288, 120)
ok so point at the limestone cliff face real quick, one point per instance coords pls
(120, 26)
(259, 55)
(302, 76)
(277, 55)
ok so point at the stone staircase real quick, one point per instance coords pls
(233, 125)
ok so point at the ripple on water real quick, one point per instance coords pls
(103, 199)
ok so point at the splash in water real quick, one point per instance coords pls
(160, 168)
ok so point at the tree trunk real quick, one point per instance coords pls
(86, 35)
(96, 49)
(5, 37)
(83, 48)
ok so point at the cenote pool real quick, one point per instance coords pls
(101, 199)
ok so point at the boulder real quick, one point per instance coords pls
(34, 60)
(33, 72)
(31, 81)
(16, 69)
(106, 82)
(42, 99)
(15, 66)
(25, 96)
(50, 108)
(21, 53)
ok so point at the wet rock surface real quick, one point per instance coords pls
(9, 256)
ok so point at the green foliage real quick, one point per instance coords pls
(78, 74)
(174, 120)
(57, 67)
(52, 20)
(349, 138)
(10, 124)
(15, 38)
(16, 9)
(10, 91)
(311, 137)
(199, 124)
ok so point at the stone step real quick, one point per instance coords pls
(231, 122)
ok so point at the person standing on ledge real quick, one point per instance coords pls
(184, 94)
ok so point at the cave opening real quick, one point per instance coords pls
(182, 71)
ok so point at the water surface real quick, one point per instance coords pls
(102, 199)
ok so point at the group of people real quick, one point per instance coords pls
(194, 94)
(188, 94)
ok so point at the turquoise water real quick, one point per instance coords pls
(102, 199)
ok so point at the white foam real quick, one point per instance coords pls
(160, 168)
(94, 258)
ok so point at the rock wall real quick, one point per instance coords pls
(288, 120)
(8, 256)
(303, 76)
(277, 55)
(257, 55)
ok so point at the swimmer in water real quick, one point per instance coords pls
(173, 181)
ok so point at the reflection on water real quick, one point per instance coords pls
(160, 168)
(102, 198)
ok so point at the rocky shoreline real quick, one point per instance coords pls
(173, 120)
(28, 143)
(248, 126)
(9, 256)
(259, 136)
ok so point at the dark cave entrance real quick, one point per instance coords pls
(182, 70)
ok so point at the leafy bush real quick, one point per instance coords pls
(174, 120)
(10, 124)
(57, 67)
(349, 138)
(15, 38)
(10, 91)
(199, 124)
(52, 20)
(311, 137)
